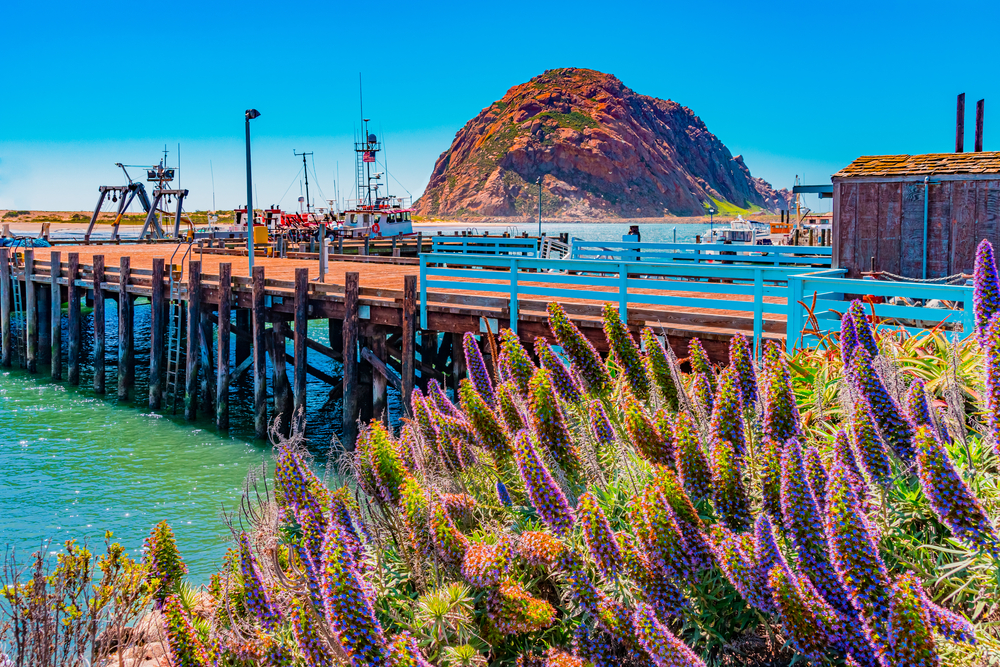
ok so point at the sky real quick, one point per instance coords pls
(797, 88)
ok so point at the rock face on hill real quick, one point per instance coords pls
(601, 150)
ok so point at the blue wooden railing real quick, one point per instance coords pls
(631, 251)
(485, 246)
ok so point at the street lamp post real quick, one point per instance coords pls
(250, 115)
(539, 181)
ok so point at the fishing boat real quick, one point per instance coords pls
(372, 213)
(749, 232)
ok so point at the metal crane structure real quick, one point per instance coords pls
(125, 194)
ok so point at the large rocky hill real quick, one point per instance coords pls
(601, 150)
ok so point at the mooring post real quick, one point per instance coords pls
(126, 353)
(258, 317)
(6, 299)
(30, 311)
(55, 314)
(222, 356)
(193, 358)
(99, 333)
(242, 342)
(409, 325)
(206, 388)
(73, 320)
(365, 379)
(301, 333)
(156, 336)
(279, 376)
(380, 383)
(428, 355)
(350, 343)
(43, 292)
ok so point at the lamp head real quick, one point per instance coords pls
(252, 113)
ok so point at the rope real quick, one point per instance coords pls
(955, 279)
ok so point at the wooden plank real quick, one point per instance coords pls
(838, 187)
(848, 225)
(99, 324)
(890, 216)
(258, 317)
(157, 335)
(301, 333)
(222, 356)
(939, 230)
(380, 379)
(350, 347)
(911, 230)
(988, 225)
(55, 315)
(963, 227)
(73, 321)
(409, 342)
(192, 359)
(283, 408)
(868, 222)
(6, 303)
(382, 368)
(126, 353)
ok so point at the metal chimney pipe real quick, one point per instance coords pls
(979, 125)
(960, 125)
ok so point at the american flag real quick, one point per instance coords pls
(369, 156)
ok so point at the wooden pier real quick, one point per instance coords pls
(371, 305)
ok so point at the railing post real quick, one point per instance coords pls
(793, 314)
(758, 306)
(623, 292)
(423, 291)
(513, 294)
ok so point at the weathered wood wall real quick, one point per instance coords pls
(884, 218)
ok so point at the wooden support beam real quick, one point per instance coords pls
(6, 302)
(99, 325)
(242, 346)
(222, 355)
(55, 315)
(73, 321)
(350, 347)
(30, 311)
(193, 357)
(381, 368)
(409, 343)
(157, 334)
(428, 355)
(282, 391)
(380, 378)
(240, 370)
(126, 352)
(319, 347)
(257, 317)
(301, 333)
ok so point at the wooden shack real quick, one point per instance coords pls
(884, 204)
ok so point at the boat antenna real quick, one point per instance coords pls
(212, 170)
(306, 171)
(178, 165)
(361, 96)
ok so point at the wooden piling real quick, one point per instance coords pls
(43, 293)
(6, 301)
(428, 355)
(30, 311)
(126, 352)
(380, 384)
(350, 347)
(259, 360)
(157, 334)
(242, 344)
(301, 333)
(73, 319)
(222, 355)
(99, 329)
(193, 356)
(409, 343)
(55, 315)
(279, 376)
(457, 363)
(206, 388)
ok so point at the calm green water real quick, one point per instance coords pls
(74, 466)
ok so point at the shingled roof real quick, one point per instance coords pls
(923, 165)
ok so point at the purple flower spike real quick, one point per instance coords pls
(700, 363)
(848, 339)
(581, 353)
(992, 373)
(692, 464)
(770, 479)
(655, 589)
(916, 406)
(441, 402)
(549, 424)
(741, 360)
(307, 635)
(545, 495)
(648, 441)
(986, 289)
(947, 622)
(484, 421)
(863, 328)
(781, 413)
(477, 369)
(563, 382)
(600, 425)
(803, 521)
(810, 625)
(767, 556)
(257, 599)
(512, 418)
(600, 540)
(896, 431)
(727, 418)
(518, 362)
(186, 648)
(950, 497)
(502, 495)
(658, 368)
(625, 352)
(816, 473)
(659, 643)
(872, 454)
(735, 556)
(701, 391)
(910, 633)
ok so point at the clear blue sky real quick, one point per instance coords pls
(796, 87)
